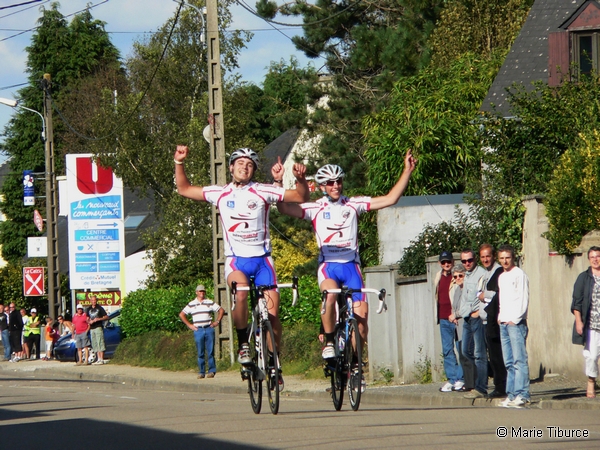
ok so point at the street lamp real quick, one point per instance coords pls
(51, 196)
(15, 104)
(200, 12)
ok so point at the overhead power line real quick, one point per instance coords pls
(19, 4)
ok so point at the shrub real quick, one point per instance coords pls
(456, 235)
(157, 309)
(573, 200)
(308, 307)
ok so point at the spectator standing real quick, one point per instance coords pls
(513, 291)
(203, 325)
(445, 312)
(489, 310)
(585, 306)
(26, 332)
(49, 337)
(67, 326)
(96, 318)
(34, 337)
(473, 340)
(4, 332)
(15, 329)
(82, 341)
(456, 288)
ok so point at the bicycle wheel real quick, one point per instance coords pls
(271, 367)
(254, 380)
(338, 380)
(354, 364)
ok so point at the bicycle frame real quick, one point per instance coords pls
(265, 366)
(346, 368)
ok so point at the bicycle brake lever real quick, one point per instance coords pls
(233, 292)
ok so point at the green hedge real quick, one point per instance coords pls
(308, 306)
(157, 309)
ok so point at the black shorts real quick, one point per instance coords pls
(15, 342)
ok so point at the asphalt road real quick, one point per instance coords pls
(64, 414)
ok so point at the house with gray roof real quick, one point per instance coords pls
(556, 35)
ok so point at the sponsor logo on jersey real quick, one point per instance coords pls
(231, 204)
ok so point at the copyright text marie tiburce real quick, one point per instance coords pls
(551, 432)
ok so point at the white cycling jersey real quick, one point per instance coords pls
(244, 214)
(336, 226)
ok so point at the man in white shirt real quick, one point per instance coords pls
(513, 292)
(203, 325)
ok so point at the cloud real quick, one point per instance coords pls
(126, 21)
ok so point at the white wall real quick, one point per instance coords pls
(403, 222)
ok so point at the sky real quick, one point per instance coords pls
(128, 21)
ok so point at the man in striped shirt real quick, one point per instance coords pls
(203, 325)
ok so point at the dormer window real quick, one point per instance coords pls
(575, 49)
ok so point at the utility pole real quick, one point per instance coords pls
(51, 204)
(218, 173)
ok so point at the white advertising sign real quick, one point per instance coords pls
(96, 225)
(37, 247)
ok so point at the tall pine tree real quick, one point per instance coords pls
(69, 52)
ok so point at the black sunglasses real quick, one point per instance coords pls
(465, 261)
(332, 182)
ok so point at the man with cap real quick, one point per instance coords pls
(34, 336)
(446, 313)
(96, 317)
(82, 341)
(203, 325)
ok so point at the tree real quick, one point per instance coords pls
(481, 27)
(573, 201)
(286, 93)
(166, 103)
(367, 46)
(433, 114)
(68, 52)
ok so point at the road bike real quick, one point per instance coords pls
(345, 369)
(265, 364)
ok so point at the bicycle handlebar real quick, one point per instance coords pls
(381, 295)
(293, 285)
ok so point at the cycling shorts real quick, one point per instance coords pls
(259, 267)
(344, 274)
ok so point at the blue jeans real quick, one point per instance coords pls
(514, 352)
(473, 348)
(205, 339)
(453, 370)
(6, 344)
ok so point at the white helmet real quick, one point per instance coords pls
(329, 172)
(244, 153)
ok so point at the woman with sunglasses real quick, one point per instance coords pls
(334, 218)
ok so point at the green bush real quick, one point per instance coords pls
(300, 343)
(157, 309)
(456, 235)
(308, 307)
(573, 200)
(493, 219)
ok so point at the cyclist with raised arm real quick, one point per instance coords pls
(334, 218)
(244, 210)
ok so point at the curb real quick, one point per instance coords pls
(384, 395)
